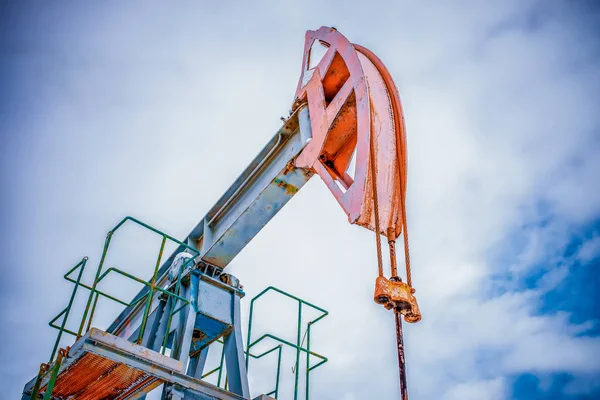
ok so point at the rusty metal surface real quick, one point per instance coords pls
(88, 374)
(358, 148)
(401, 357)
(93, 377)
(353, 104)
(133, 349)
(397, 295)
(103, 366)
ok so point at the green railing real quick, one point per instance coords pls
(220, 369)
(279, 347)
(92, 302)
(297, 345)
(152, 288)
(53, 365)
(46, 369)
(67, 310)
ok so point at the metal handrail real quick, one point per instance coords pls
(88, 314)
(90, 308)
(152, 283)
(95, 293)
(46, 369)
(297, 346)
(255, 356)
(67, 310)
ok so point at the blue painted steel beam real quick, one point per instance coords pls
(256, 196)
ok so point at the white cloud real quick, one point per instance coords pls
(490, 389)
(589, 250)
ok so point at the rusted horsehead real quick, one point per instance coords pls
(357, 124)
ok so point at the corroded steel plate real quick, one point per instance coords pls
(356, 118)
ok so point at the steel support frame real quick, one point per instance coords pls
(258, 194)
(233, 343)
(120, 350)
(266, 185)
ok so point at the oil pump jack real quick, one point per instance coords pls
(345, 125)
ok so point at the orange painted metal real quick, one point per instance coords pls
(358, 148)
(94, 377)
(397, 295)
(355, 112)
(354, 104)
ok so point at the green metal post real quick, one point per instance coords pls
(151, 291)
(221, 367)
(36, 388)
(171, 306)
(249, 330)
(307, 358)
(52, 381)
(278, 372)
(93, 311)
(98, 272)
(68, 309)
(298, 350)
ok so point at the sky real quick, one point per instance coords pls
(152, 109)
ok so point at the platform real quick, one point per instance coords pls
(104, 366)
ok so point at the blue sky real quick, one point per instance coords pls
(115, 108)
